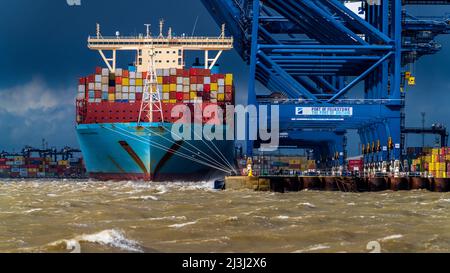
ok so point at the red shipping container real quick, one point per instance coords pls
(98, 94)
(186, 96)
(229, 89)
(200, 79)
(186, 73)
(228, 97)
(207, 88)
(180, 96)
(173, 95)
(138, 96)
(125, 74)
(98, 70)
(179, 72)
(118, 80)
(166, 80)
(82, 81)
(111, 90)
(91, 78)
(193, 80)
(193, 71)
(173, 79)
(214, 78)
(220, 76)
(144, 75)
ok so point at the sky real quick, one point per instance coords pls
(43, 52)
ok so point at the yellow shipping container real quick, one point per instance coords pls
(111, 97)
(125, 82)
(173, 87)
(159, 80)
(213, 86)
(173, 101)
(166, 88)
(220, 97)
(435, 151)
(229, 79)
(139, 82)
(193, 95)
(166, 101)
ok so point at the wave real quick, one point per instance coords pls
(183, 224)
(110, 237)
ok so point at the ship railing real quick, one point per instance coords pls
(342, 101)
(186, 41)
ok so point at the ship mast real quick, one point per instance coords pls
(151, 97)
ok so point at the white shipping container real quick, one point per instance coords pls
(81, 88)
(132, 82)
(207, 80)
(213, 95)
(98, 86)
(105, 72)
(173, 72)
(221, 82)
(91, 100)
(132, 96)
(179, 88)
(118, 88)
(98, 100)
(91, 86)
(139, 75)
(213, 100)
(98, 78)
(124, 96)
(186, 89)
(221, 89)
(132, 75)
(132, 89)
(193, 87)
(125, 89)
(159, 87)
(200, 87)
(81, 96)
(166, 72)
(166, 96)
(118, 96)
(105, 88)
(139, 89)
(119, 72)
(159, 72)
(186, 81)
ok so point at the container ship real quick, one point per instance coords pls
(124, 115)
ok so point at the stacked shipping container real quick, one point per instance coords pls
(39, 167)
(193, 85)
(435, 161)
(106, 97)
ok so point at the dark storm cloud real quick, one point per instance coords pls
(43, 51)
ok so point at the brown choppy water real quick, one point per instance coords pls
(49, 216)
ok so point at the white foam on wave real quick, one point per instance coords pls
(391, 237)
(282, 217)
(110, 237)
(309, 205)
(32, 210)
(312, 248)
(183, 224)
(145, 197)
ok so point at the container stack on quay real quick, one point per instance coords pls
(434, 161)
(276, 165)
(39, 167)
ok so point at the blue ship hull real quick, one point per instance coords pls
(124, 151)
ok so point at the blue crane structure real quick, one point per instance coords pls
(330, 69)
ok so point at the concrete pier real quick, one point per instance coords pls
(330, 183)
